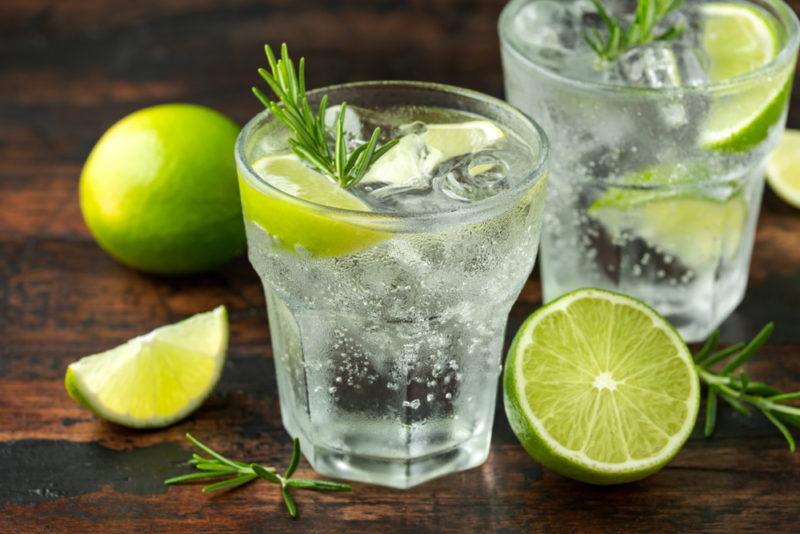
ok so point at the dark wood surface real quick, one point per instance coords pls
(68, 70)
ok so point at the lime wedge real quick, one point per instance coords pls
(417, 154)
(156, 379)
(681, 219)
(739, 39)
(296, 226)
(600, 388)
(783, 168)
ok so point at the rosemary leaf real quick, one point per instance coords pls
(750, 350)
(240, 473)
(295, 461)
(707, 347)
(290, 506)
(721, 355)
(780, 426)
(193, 477)
(711, 413)
(309, 139)
(230, 483)
(783, 397)
(318, 485)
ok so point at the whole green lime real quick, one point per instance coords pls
(159, 190)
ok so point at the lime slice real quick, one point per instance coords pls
(699, 232)
(683, 219)
(600, 388)
(783, 168)
(416, 155)
(299, 227)
(739, 39)
(156, 379)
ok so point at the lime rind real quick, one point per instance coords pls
(157, 379)
(740, 39)
(757, 128)
(783, 168)
(561, 453)
(671, 207)
(301, 227)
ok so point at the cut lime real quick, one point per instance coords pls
(600, 388)
(739, 39)
(417, 154)
(297, 226)
(157, 379)
(783, 168)
(675, 212)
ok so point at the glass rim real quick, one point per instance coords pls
(478, 207)
(783, 12)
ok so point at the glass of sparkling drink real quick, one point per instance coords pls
(658, 153)
(388, 301)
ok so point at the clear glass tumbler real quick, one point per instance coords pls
(648, 196)
(387, 347)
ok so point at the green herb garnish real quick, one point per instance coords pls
(640, 31)
(739, 391)
(239, 473)
(311, 141)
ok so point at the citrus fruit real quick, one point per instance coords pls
(783, 168)
(156, 379)
(675, 211)
(739, 39)
(600, 388)
(301, 227)
(159, 193)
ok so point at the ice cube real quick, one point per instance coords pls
(353, 129)
(548, 28)
(474, 176)
(654, 65)
(657, 66)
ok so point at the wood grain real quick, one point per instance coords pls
(69, 69)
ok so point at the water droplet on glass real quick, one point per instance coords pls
(414, 404)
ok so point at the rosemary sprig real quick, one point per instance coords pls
(640, 31)
(739, 391)
(238, 473)
(311, 141)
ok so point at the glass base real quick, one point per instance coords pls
(400, 473)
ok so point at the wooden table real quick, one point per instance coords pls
(68, 70)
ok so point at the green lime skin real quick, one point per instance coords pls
(541, 451)
(159, 191)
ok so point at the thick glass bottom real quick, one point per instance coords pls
(394, 472)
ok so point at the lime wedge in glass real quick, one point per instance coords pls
(739, 39)
(600, 388)
(673, 211)
(783, 168)
(300, 227)
(417, 154)
(156, 379)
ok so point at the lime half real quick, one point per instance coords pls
(783, 168)
(300, 227)
(600, 388)
(739, 39)
(157, 379)
(417, 154)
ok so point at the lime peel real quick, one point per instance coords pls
(157, 379)
(783, 168)
(740, 39)
(294, 225)
(535, 435)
